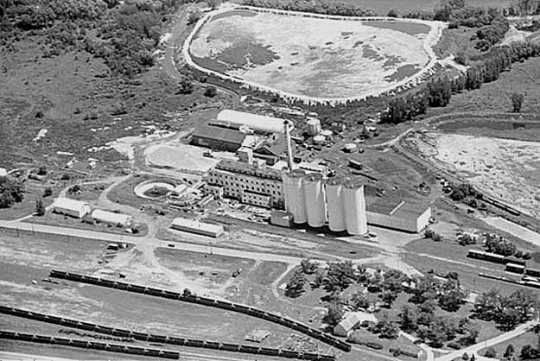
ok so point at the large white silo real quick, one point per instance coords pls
(315, 200)
(355, 207)
(294, 195)
(334, 203)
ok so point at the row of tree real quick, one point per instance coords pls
(327, 7)
(438, 92)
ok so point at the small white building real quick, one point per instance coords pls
(108, 217)
(350, 321)
(197, 227)
(3, 172)
(71, 207)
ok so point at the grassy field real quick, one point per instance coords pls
(495, 96)
(80, 105)
(346, 59)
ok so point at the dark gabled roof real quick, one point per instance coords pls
(220, 134)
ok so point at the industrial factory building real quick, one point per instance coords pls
(249, 183)
(218, 138)
(115, 219)
(197, 227)
(402, 215)
(70, 207)
(257, 123)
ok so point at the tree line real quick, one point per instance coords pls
(315, 6)
(438, 92)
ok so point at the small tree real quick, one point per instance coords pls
(517, 101)
(308, 267)
(491, 353)
(359, 301)
(334, 314)
(40, 208)
(47, 192)
(214, 4)
(509, 351)
(295, 286)
(210, 91)
(42, 170)
(392, 13)
(193, 17)
(185, 86)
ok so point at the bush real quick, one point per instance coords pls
(392, 14)
(47, 192)
(210, 91)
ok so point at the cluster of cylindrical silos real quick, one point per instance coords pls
(338, 202)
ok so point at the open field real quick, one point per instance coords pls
(180, 157)
(295, 55)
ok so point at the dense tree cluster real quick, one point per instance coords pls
(500, 245)
(438, 92)
(506, 311)
(316, 6)
(11, 191)
(124, 33)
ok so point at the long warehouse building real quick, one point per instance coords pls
(255, 122)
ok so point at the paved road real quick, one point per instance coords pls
(142, 241)
(521, 329)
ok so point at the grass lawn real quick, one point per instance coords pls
(528, 338)
(89, 192)
(33, 191)
(124, 193)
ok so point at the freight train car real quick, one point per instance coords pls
(515, 268)
(487, 256)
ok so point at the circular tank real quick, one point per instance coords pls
(315, 200)
(355, 207)
(294, 195)
(334, 204)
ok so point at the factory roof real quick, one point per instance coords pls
(197, 225)
(71, 204)
(256, 122)
(219, 133)
(400, 208)
(248, 169)
(111, 217)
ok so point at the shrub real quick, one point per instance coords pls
(392, 13)
(47, 192)
(210, 91)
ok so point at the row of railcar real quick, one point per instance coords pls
(495, 258)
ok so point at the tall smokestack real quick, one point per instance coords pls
(289, 145)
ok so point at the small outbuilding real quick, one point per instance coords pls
(71, 207)
(350, 321)
(3, 172)
(115, 219)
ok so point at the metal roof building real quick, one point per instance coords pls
(399, 214)
(117, 219)
(197, 227)
(258, 123)
(71, 207)
(218, 138)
